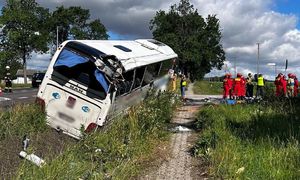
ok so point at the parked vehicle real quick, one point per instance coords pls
(90, 81)
(37, 79)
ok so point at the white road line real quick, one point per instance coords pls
(4, 99)
(22, 97)
(34, 96)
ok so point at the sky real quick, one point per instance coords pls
(274, 24)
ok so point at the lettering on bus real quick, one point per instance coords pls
(76, 89)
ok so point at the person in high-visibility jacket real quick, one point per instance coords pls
(296, 86)
(237, 86)
(260, 86)
(290, 85)
(183, 85)
(278, 85)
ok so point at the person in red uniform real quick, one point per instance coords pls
(230, 83)
(296, 85)
(226, 86)
(237, 86)
(278, 85)
(284, 84)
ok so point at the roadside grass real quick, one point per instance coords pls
(114, 152)
(17, 86)
(216, 88)
(22, 120)
(208, 87)
(257, 141)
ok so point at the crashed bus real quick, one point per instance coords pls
(90, 81)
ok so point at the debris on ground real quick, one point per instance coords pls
(32, 158)
(180, 129)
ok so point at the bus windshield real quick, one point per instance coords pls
(79, 67)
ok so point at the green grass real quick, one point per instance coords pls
(208, 88)
(262, 139)
(21, 120)
(114, 152)
(17, 86)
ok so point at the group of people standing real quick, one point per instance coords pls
(286, 87)
(241, 87)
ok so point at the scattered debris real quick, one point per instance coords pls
(180, 129)
(240, 170)
(25, 142)
(33, 158)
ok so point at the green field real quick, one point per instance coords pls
(251, 141)
(216, 88)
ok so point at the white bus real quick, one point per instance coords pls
(90, 81)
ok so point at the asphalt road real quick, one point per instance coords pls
(25, 96)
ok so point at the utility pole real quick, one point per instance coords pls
(257, 66)
(235, 70)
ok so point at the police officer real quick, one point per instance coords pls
(7, 80)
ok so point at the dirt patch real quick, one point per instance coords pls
(179, 163)
(46, 145)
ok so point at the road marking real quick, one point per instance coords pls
(34, 96)
(4, 99)
(22, 97)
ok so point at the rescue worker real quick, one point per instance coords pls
(226, 86)
(249, 86)
(183, 84)
(283, 83)
(7, 79)
(260, 86)
(174, 79)
(290, 85)
(237, 86)
(278, 85)
(296, 86)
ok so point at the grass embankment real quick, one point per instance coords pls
(115, 152)
(258, 141)
(21, 120)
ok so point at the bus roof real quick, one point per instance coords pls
(133, 53)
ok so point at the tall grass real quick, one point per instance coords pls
(20, 120)
(114, 152)
(258, 141)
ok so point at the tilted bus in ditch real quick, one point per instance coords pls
(90, 81)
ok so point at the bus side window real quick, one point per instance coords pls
(124, 87)
(139, 74)
(151, 73)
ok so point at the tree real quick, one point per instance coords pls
(23, 29)
(72, 23)
(196, 40)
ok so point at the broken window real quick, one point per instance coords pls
(79, 67)
(124, 87)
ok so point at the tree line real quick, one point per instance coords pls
(27, 27)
